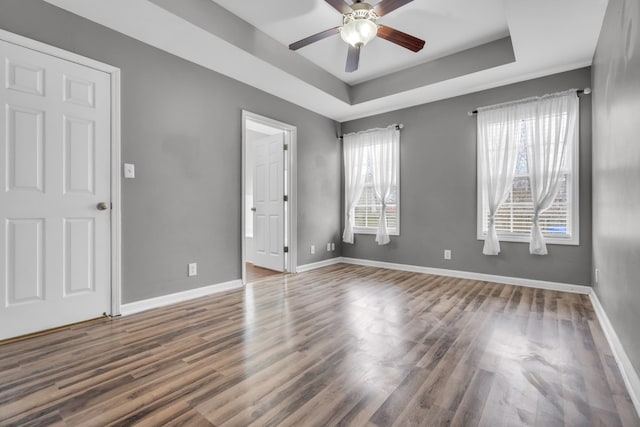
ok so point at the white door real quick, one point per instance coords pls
(54, 171)
(268, 201)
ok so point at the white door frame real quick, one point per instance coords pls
(116, 249)
(291, 222)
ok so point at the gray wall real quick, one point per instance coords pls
(616, 171)
(181, 128)
(438, 189)
(219, 21)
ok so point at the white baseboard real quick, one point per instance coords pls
(319, 264)
(529, 283)
(148, 304)
(629, 374)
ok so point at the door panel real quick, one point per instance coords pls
(25, 250)
(268, 187)
(274, 235)
(79, 91)
(25, 78)
(260, 242)
(79, 149)
(275, 193)
(25, 148)
(79, 253)
(55, 168)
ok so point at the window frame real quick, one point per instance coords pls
(392, 232)
(574, 216)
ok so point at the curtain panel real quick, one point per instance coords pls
(548, 126)
(498, 138)
(553, 129)
(355, 171)
(379, 148)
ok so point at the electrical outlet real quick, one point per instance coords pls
(333, 246)
(313, 249)
(328, 247)
(597, 275)
(193, 269)
(447, 254)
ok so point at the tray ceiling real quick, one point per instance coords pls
(448, 26)
(471, 45)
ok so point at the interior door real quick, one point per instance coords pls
(55, 192)
(268, 201)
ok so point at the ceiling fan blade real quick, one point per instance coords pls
(340, 6)
(402, 39)
(353, 59)
(314, 38)
(388, 6)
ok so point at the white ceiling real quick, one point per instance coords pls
(448, 26)
(548, 36)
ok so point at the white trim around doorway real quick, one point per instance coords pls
(291, 223)
(116, 242)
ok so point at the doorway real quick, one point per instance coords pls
(268, 197)
(59, 165)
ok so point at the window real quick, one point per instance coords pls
(513, 220)
(368, 207)
(371, 167)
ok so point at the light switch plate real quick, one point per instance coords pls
(129, 170)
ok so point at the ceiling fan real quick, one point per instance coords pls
(359, 27)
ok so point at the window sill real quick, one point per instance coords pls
(568, 241)
(374, 231)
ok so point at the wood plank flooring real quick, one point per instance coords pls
(255, 273)
(343, 345)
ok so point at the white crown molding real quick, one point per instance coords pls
(534, 58)
(629, 374)
(148, 304)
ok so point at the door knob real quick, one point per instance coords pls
(253, 209)
(102, 206)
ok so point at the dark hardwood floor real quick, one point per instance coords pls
(342, 345)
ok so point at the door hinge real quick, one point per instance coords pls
(286, 249)
(286, 147)
(285, 198)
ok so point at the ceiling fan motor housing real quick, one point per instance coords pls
(359, 26)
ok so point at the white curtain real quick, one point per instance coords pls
(384, 152)
(498, 140)
(552, 131)
(355, 148)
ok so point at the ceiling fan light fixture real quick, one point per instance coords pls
(359, 32)
(359, 27)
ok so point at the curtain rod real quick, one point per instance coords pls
(586, 91)
(398, 127)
